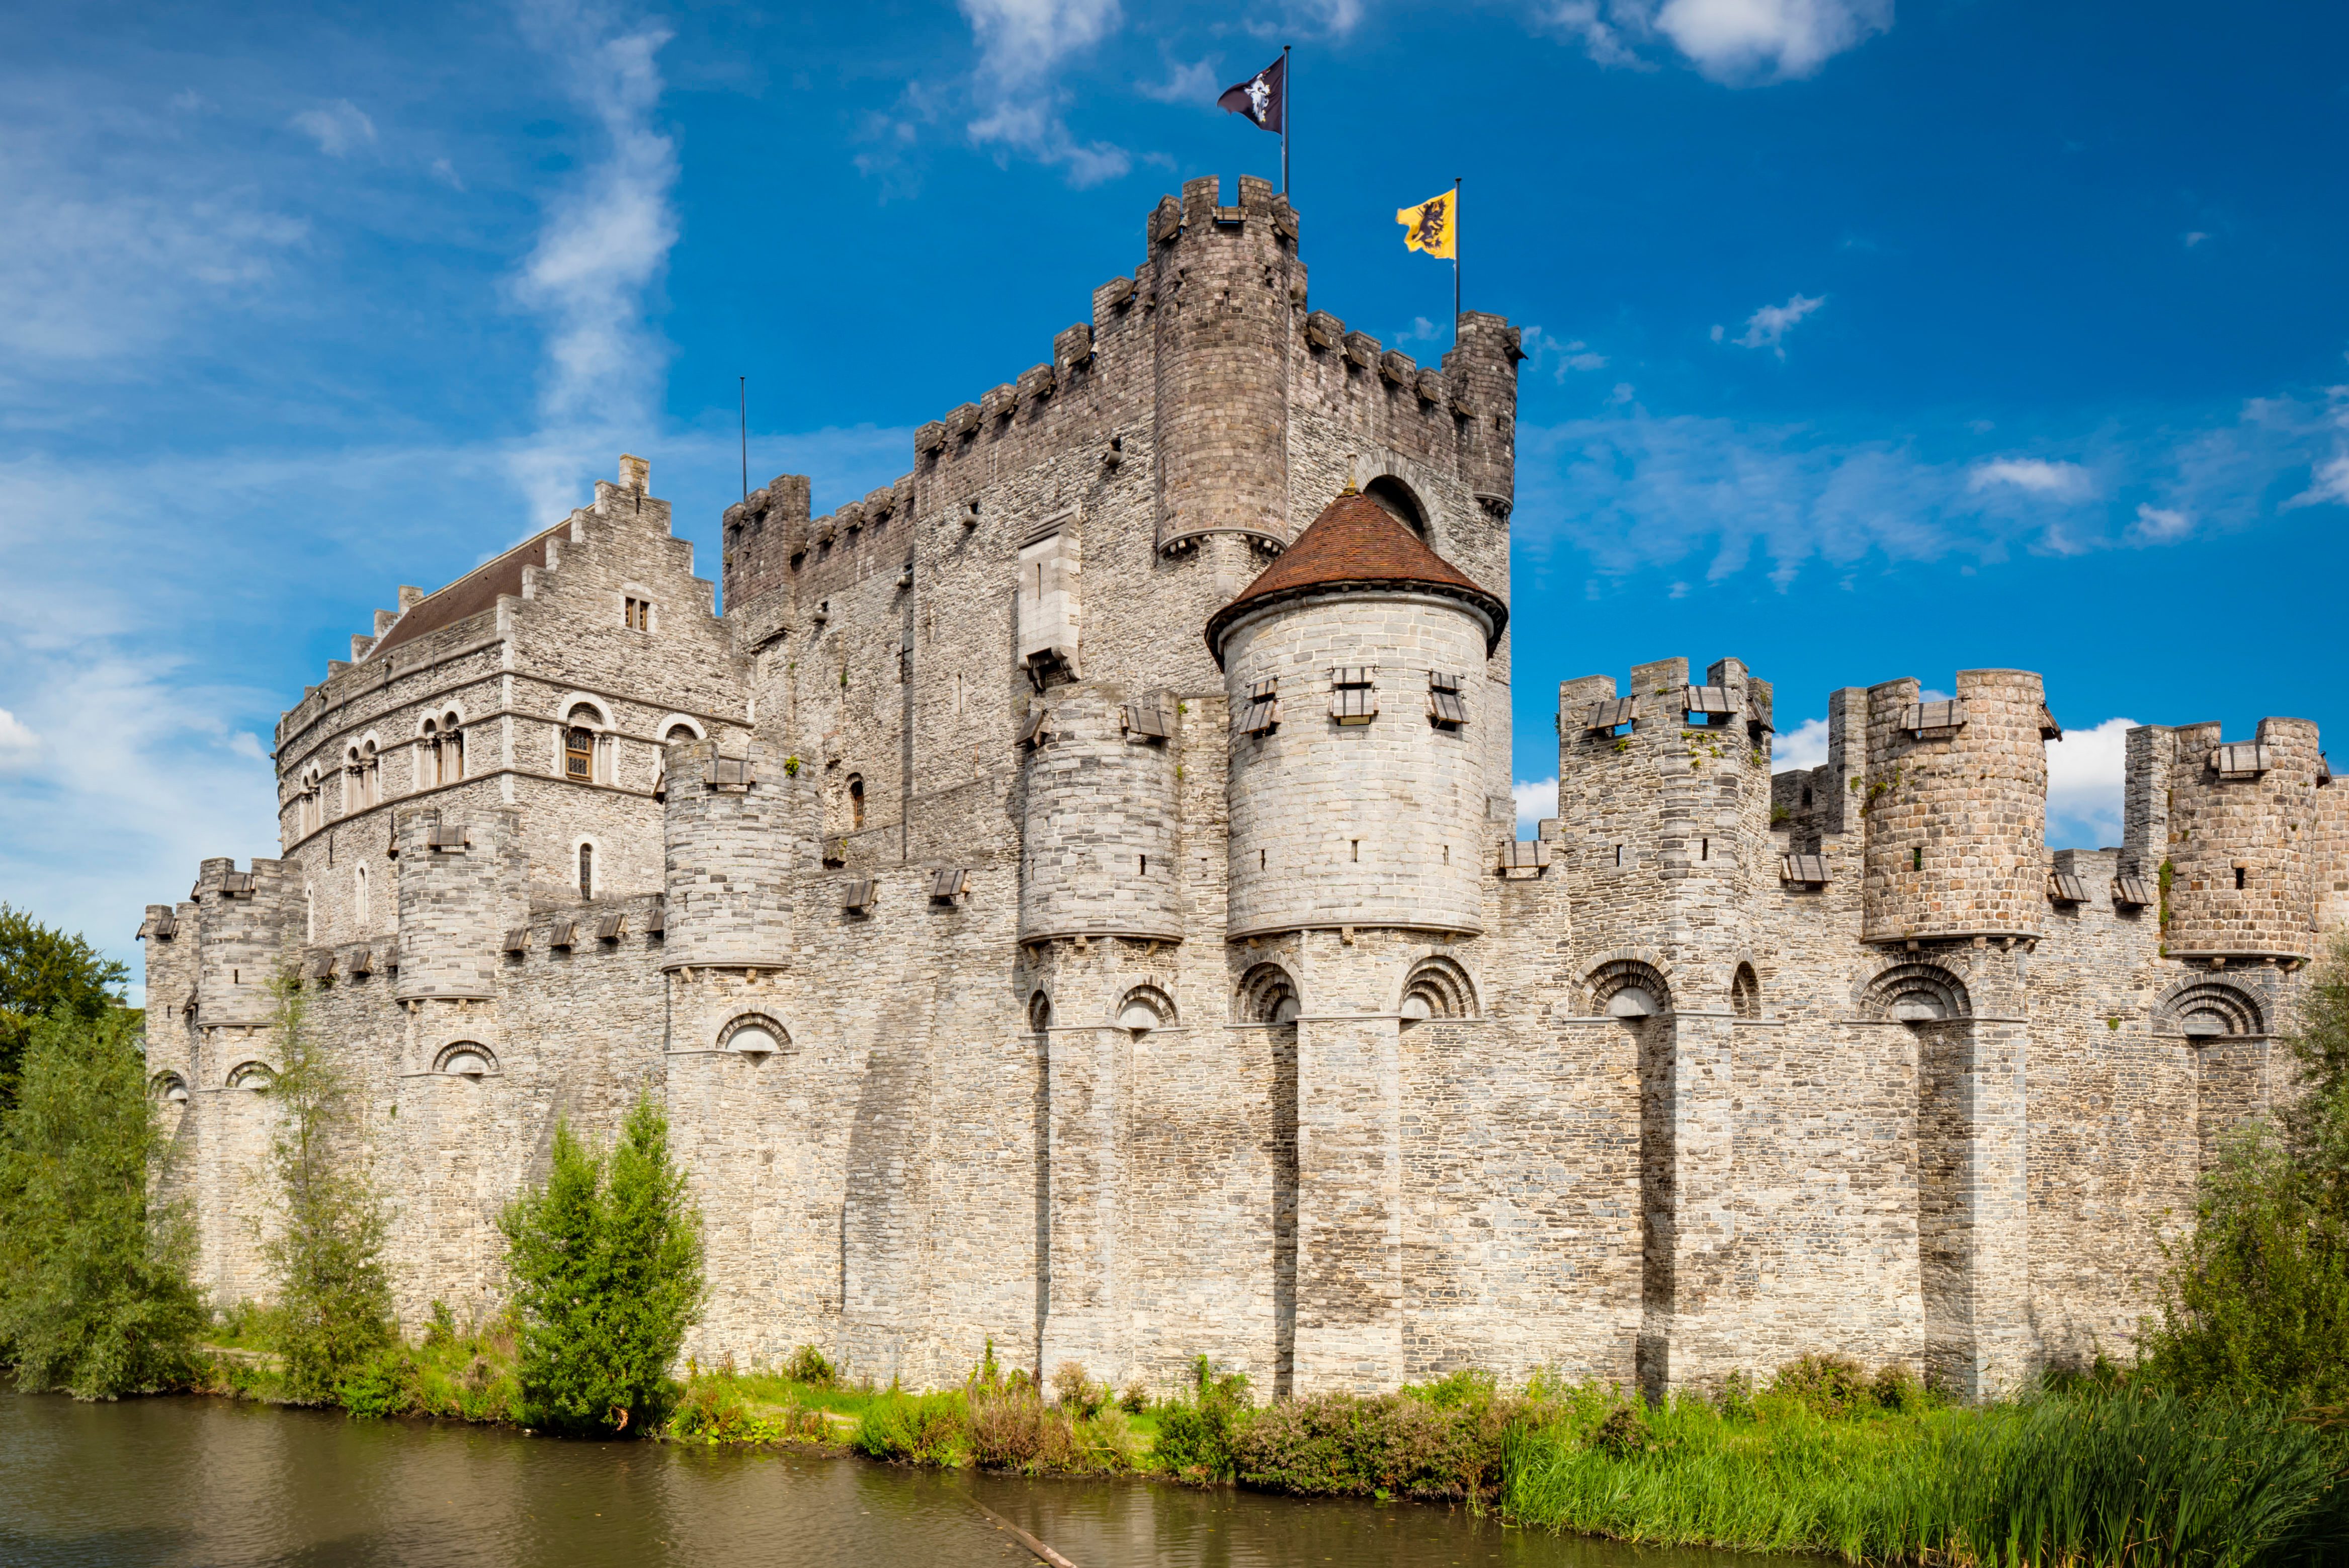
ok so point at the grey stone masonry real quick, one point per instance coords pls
(1017, 967)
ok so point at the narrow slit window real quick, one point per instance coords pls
(1917, 859)
(586, 870)
(1704, 849)
(2239, 879)
(855, 804)
(1358, 849)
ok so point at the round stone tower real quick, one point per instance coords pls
(2241, 880)
(1355, 667)
(1954, 802)
(1098, 831)
(738, 830)
(1225, 283)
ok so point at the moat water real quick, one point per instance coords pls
(215, 1484)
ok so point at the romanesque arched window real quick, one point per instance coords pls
(1437, 988)
(466, 1059)
(361, 899)
(586, 869)
(1745, 992)
(754, 1034)
(579, 744)
(2211, 1009)
(1628, 988)
(855, 803)
(1916, 993)
(1267, 995)
(1145, 1008)
(1398, 501)
(1039, 1011)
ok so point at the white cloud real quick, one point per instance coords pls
(2159, 525)
(16, 741)
(2037, 476)
(2084, 771)
(1804, 746)
(606, 236)
(1768, 41)
(337, 128)
(1537, 798)
(1739, 42)
(1545, 351)
(1194, 83)
(1024, 46)
(1767, 327)
(2194, 238)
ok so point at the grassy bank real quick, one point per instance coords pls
(1822, 1460)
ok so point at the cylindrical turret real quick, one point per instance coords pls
(1098, 837)
(240, 924)
(1355, 667)
(2241, 817)
(1955, 806)
(1222, 303)
(738, 829)
(460, 888)
(1484, 365)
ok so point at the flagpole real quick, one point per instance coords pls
(1455, 261)
(744, 393)
(1287, 103)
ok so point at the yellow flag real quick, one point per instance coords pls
(1432, 226)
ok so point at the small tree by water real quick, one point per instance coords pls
(333, 1294)
(2256, 1300)
(95, 1294)
(606, 1260)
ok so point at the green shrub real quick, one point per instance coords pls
(334, 1297)
(384, 1385)
(1197, 1437)
(808, 1365)
(916, 1428)
(95, 1294)
(606, 1262)
(1390, 1445)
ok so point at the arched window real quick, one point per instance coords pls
(1916, 993)
(448, 758)
(1437, 988)
(253, 1076)
(855, 803)
(679, 733)
(1268, 995)
(169, 1087)
(1627, 988)
(586, 870)
(579, 744)
(466, 1059)
(1145, 1008)
(2211, 1009)
(1397, 500)
(1039, 1011)
(754, 1034)
(1745, 992)
(360, 904)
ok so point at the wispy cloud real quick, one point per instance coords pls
(1767, 327)
(337, 128)
(1558, 356)
(1739, 42)
(2193, 238)
(1196, 83)
(2036, 475)
(1024, 48)
(1636, 491)
(606, 236)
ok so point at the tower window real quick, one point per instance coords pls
(639, 613)
(1618, 857)
(1704, 849)
(586, 870)
(1916, 859)
(1358, 849)
(855, 803)
(2239, 879)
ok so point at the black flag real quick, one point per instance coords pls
(1263, 97)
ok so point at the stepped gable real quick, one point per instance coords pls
(469, 595)
(1356, 544)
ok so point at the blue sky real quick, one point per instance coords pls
(1865, 342)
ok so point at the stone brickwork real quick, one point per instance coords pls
(1006, 976)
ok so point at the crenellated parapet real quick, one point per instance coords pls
(2243, 824)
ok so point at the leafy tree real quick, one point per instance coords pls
(333, 1295)
(607, 1263)
(95, 1294)
(2257, 1299)
(43, 970)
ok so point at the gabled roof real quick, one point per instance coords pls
(1356, 544)
(469, 595)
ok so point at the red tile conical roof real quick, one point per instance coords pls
(1356, 544)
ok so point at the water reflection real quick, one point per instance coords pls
(223, 1485)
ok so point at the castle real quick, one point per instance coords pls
(1071, 898)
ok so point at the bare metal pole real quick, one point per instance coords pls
(1455, 261)
(743, 392)
(1287, 104)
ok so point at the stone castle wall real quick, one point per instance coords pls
(1000, 985)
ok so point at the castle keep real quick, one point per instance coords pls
(1071, 898)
